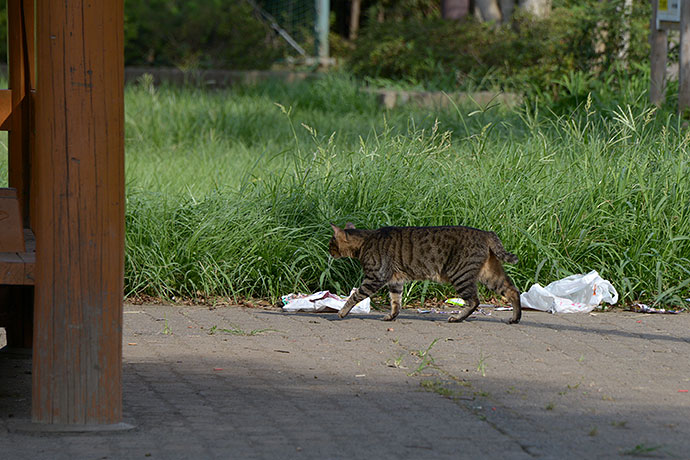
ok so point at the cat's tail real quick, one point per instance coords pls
(497, 248)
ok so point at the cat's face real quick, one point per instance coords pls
(340, 245)
(333, 248)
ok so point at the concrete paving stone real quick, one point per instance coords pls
(602, 385)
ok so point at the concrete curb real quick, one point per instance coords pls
(439, 99)
(387, 98)
(213, 78)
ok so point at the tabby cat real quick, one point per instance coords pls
(460, 256)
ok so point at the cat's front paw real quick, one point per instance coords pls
(455, 319)
(389, 317)
(513, 321)
(342, 313)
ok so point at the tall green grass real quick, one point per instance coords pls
(230, 192)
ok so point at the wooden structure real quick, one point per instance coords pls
(684, 61)
(669, 15)
(62, 219)
(658, 41)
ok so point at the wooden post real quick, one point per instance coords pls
(18, 300)
(355, 7)
(658, 41)
(78, 183)
(684, 66)
(20, 25)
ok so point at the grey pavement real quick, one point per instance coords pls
(234, 382)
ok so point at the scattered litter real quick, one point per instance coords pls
(360, 375)
(682, 391)
(217, 368)
(132, 343)
(478, 311)
(642, 308)
(434, 310)
(281, 351)
(573, 294)
(481, 309)
(456, 301)
(390, 329)
(322, 301)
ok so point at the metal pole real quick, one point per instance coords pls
(323, 8)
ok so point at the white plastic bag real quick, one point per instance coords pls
(574, 294)
(322, 301)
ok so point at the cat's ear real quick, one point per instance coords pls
(336, 230)
(349, 226)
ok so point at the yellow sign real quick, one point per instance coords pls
(663, 5)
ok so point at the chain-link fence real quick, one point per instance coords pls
(303, 24)
(295, 17)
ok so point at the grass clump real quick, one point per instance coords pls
(230, 194)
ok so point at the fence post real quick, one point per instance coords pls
(684, 67)
(658, 42)
(355, 8)
(78, 179)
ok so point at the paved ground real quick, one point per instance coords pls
(250, 383)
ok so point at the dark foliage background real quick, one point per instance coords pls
(403, 41)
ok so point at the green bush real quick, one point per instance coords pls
(584, 36)
(413, 44)
(190, 33)
(200, 33)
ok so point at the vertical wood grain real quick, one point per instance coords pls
(684, 61)
(11, 232)
(78, 174)
(658, 41)
(20, 39)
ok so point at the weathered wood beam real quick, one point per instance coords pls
(78, 184)
(684, 67)
(658, 41)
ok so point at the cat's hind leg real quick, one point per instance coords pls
(367, 289)
(493, 276)
(395, 290)
(468, 292)
(464, 279)
(513, 296)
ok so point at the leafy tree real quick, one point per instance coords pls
(198, 33)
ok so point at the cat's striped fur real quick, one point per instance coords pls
(460, 256)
